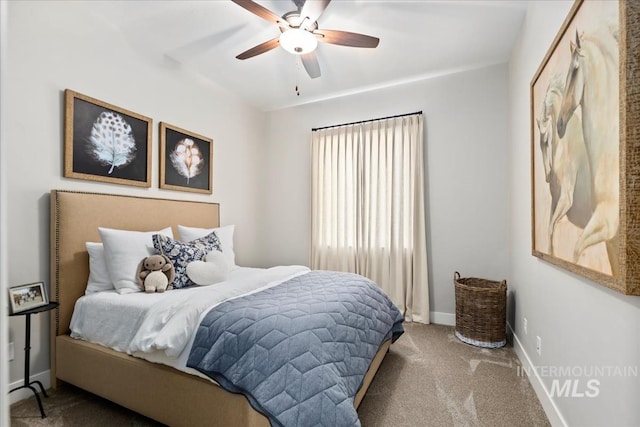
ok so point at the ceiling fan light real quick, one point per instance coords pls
(298, 41)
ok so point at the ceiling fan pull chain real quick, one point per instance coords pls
(297, 76)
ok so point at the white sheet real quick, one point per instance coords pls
(160, 327)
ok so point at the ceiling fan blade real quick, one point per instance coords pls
(261, 48)
(312, 10)
(345, 38)
(262, 12)
(311, 64)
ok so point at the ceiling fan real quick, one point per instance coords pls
(300, 33)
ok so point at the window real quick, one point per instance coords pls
(368, 206)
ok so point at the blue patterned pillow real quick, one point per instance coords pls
(182, 253)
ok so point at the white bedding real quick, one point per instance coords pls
(160, 327)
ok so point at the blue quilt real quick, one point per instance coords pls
(299, 351)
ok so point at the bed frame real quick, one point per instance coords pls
(157, 391)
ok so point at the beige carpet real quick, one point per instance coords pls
(429, 378)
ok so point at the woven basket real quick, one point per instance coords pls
(481, 310)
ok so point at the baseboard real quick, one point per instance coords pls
(25, 393)
(549, 406)
(438, 318)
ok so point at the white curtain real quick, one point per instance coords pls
(367, 213)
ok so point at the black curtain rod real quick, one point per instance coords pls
(365, 121)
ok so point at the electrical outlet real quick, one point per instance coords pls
(539, 346)
(12, 353)
(524, 325)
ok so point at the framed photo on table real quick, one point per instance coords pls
(26, 297)
(186, 160)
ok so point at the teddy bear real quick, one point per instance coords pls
(155, 273)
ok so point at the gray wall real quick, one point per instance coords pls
(4, 320)
(466, 174)
(582, 325)
(57, 45)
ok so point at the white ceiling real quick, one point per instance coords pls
(418, 39)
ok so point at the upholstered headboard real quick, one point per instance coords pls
(75, 218)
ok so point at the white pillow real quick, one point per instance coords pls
(99, 279)
(225, 234)
(213, 269)
(123, 252)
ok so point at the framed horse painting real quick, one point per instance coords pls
(585, 146)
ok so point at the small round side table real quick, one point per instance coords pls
(27, 348)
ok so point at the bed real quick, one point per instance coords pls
(140, 385)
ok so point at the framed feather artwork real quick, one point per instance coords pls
(186, 160)
(105, 143)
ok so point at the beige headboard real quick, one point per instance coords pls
(75, 218)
